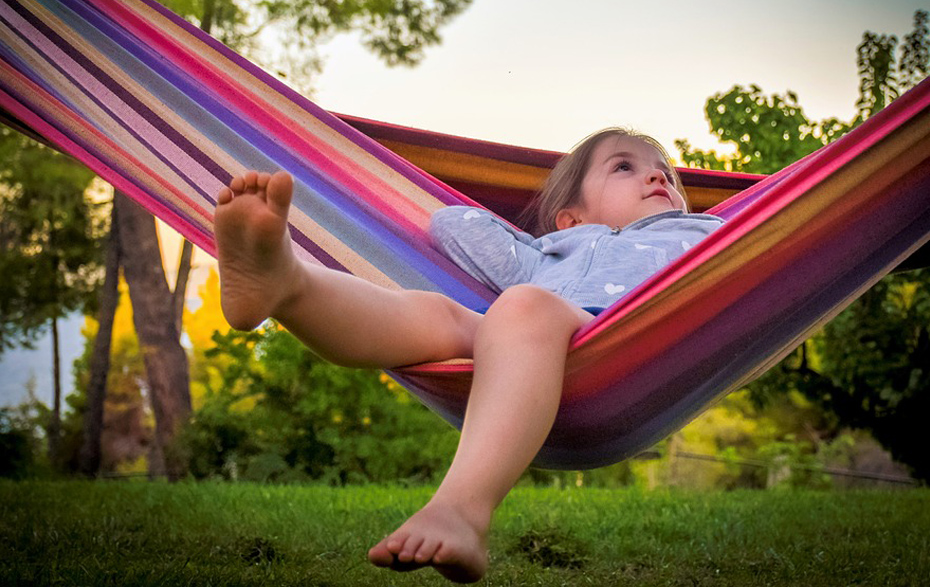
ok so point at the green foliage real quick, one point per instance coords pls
(49, 238)
(769, 132)
(740, 443)
(280, 414)
(914, 65)
(877, 83)
(17, 447)
(792, 463)
(21, 439)
(869, 367)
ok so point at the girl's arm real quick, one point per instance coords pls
(487, 248)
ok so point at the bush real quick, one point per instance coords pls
(283, 415)
(19, 448)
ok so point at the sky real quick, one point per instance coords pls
(546, 73)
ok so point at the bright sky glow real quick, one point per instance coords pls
(545, 73)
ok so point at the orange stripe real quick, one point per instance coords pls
(448, 165)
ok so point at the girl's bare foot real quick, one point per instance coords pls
(439, 536)
(257, 265)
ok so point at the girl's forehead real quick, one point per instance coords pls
(631, 146)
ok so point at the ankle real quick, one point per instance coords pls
(295, 286)
(475, 512)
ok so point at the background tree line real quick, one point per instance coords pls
(868, 368)
(259, 406)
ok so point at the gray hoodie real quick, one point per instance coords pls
(590, 265)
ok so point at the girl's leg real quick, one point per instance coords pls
(520, 351)
(342, 318)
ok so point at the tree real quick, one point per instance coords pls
(127, 425)
(868, 367)
(108, 298)
(769, 132)
(156, 325)
(49, 240)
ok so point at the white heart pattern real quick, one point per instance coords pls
(513, 251)
(685, 245)
(612, 289)
(471, 214)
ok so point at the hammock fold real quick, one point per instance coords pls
(168, 115)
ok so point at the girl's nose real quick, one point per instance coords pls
(656, 175)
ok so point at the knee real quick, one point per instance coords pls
(529, 306)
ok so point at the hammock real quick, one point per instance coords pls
(168, 115)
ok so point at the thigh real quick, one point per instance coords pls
(349, 319)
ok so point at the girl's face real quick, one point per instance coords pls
(627, 179)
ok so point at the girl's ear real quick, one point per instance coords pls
(567, 218)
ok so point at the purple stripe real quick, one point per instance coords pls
(53, 38)
(101, 156)
(427, 183)
(17, 62)
(319, 254)
(109, 33)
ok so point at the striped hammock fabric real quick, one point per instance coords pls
(168, 115)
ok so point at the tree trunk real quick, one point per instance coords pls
(209, 14)
(159, 339)
(54, 425)
(89, 458)
(180, 284)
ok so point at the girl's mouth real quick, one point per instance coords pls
(660, 192)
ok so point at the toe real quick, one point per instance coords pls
(237, 185)
(262, 181)
(380, 556)
(251, 181)
(280, 190)
(395, 543)
(224, 197)
(427, 551)
(410, 549)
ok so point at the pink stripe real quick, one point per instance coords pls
(342, 171)
(93, 87)
(195, 232)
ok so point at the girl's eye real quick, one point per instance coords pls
(623, 166)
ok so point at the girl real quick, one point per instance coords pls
(613, 212)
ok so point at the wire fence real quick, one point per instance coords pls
(833, 471)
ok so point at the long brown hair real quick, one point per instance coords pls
(562, 188)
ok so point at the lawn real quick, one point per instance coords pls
(140, 533)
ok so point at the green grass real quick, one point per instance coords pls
(108, 533)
